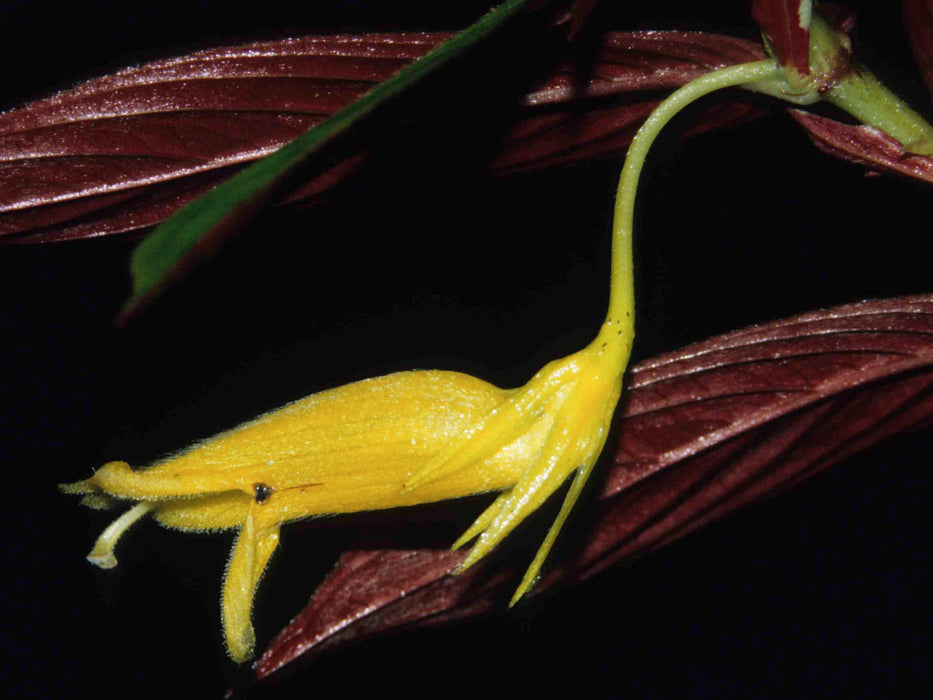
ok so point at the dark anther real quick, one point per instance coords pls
(262, 492)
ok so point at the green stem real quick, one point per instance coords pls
(837, 78)
(858, 92)
(864, 97)
(618, 329)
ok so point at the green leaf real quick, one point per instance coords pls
(200, 226)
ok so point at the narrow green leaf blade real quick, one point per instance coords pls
(199, 227)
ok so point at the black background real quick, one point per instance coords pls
(425, 261)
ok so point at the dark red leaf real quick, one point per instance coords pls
(865, 145)
(918, 18)
(788, 30)
(704, 430)
(122, 152)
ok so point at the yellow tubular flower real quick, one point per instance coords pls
(345, 450)
(403, 439)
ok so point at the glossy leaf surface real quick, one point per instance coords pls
(705, 430)
(864, 145)
(122, 152)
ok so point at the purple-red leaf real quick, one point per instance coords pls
(704, 430)
(864, 145)
(918, 18)
(786, 23)
(122, 152)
